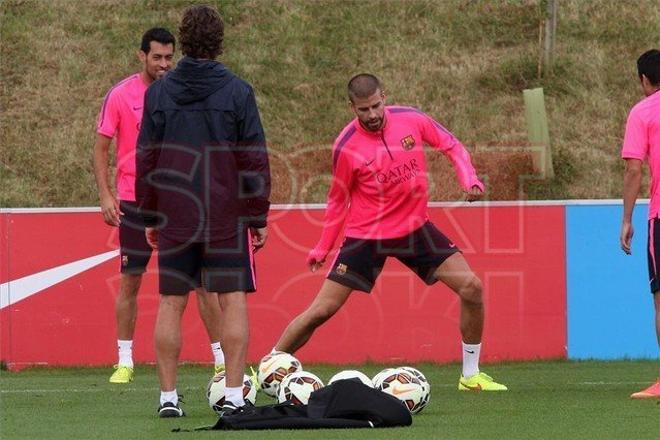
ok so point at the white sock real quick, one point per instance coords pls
(125, 353)
(471, 359)
(234, 395)
(218, 355)
(169, 396)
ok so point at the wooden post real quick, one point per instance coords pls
(537, 132)
(550, 30)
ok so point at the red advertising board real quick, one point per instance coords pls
(59, 278)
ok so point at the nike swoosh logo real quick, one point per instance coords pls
(398, 390)
(17, 290)
(476, 387)
(137, 108)
(367, 163)
(470, 351)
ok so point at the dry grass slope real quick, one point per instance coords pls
(463, 61)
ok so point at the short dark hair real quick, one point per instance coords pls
(363, 85)
(160, 35)
(649, 65)
(201, 32)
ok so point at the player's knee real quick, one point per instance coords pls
(173, 304)
(233, 300)
(471, 291)
(130, 283)
(321, 313)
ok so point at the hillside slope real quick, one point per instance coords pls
(463, 61)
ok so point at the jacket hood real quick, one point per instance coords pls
(194, 80)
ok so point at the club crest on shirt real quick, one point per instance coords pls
(408, 142)
(341, 269)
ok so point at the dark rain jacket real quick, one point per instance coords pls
(202, 164)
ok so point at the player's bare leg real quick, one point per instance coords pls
(329, 299)
(457, 275)
(235, 334)
(167, 337)
(208, 305)
(126, 305)
(126, 316)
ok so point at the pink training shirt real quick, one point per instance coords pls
(642, 141)
(380, 185)
(120, 116)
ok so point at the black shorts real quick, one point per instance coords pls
(134, 249)
(360, 261)
(653, 253)
(219, 266)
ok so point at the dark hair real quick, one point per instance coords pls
(201, 32)
(649, 65)
(363, 85)
(160, 35)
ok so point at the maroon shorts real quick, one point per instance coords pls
(219, 266)
(360, 261)
(134, 250)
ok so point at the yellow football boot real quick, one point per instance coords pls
(480, 382)
(122, 374)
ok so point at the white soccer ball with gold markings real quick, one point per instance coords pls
(404, 386)
(351, 375)
(425, 384)
(297, 387)
(378, 378)
(273, 368)
(215, 391)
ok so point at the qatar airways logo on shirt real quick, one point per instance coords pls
(399, 173)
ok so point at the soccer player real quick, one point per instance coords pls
(203, 183)
(120, 118)
(380, 190)
(641, 143)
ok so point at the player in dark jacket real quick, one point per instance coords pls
(203, 183)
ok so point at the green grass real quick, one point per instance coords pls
(463, 61)
(573, 400)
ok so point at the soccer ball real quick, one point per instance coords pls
(215, 391)
(296, 387)
(378, 378)
(404, 386)
(272, 369)
(425, 384)
(352, 375)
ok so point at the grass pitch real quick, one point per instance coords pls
(573, 400)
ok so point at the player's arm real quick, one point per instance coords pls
(441, 139)
(107, 124)
(254, 169)
(337, 207)
(632, 183)
(109, 203)
(634, 152)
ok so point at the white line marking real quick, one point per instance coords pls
(111, 389)
(120, 388)
(609, 383)
(298, 206)
(16, 290)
